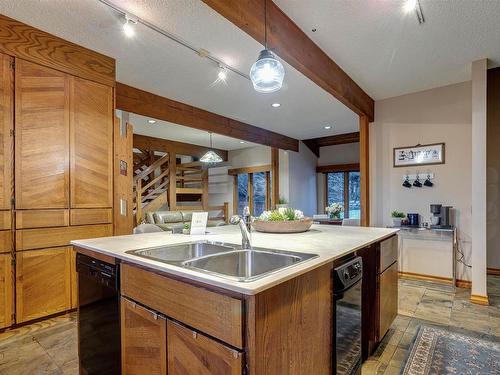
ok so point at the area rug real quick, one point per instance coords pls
(440, 352)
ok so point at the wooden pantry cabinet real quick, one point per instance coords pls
(62, 129)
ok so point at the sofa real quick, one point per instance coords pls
(175, 220)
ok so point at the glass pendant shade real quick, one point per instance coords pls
(211, 157)
(267, 73)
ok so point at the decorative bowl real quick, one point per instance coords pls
(294, 226)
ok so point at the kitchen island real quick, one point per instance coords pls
(179, 320)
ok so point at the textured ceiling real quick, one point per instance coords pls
(388, 53)
(174, 132)
(154, 63)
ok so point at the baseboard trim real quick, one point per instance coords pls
(479, 300)
(446, 280)
(493, 271)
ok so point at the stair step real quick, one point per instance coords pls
(189, 191)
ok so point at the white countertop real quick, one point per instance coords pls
(328, 241)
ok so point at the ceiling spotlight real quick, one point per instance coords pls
(276, 105)
(222, 75)
(328, 127)
(152, 121)
(414, 6)
(242, 142)
(129, 26)
(410, 5)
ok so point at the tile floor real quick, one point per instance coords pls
(50, 347)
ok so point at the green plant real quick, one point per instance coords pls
(187, 226)
(398, 215)
(275, 216)
(282, 200)
(289, 214)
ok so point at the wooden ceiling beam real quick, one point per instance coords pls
(144, 103)
(291, 44)
(157, 144)
(314, 144)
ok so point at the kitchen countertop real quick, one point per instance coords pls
(329, 242)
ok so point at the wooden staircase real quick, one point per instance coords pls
(191, 187)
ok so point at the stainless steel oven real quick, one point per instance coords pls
(98, 317)
(347, 279)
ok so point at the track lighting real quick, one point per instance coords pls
(129, 26)
(414, 6)
(222, 75)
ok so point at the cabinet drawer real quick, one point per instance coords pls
(216, 314)
(41, 219)
(388, 299)
(144, 340)
(388, 252)
(5, 220)
(27, 239)
(190, 352)
(5, 241)
(90, 216)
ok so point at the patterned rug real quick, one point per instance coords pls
(440, 352)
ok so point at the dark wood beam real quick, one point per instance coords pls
(148, 104)
(158, 144)
(337, 168)
(292, 45)
(314, 144)
(29, 43)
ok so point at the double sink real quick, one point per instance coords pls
(224, 260)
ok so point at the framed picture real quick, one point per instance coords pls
(418, 155)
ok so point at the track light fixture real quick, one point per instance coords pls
(129, 26)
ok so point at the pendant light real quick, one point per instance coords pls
(267, 73)
(211, 156)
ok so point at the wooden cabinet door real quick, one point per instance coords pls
(388, 298)
(42, 137)
(144, 340)
(91, 144)
(43, 282)
(6, 297)
(190, 352)
(6, 126)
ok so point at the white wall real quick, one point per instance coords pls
(302, 180)
(439, 115)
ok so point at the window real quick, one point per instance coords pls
(252, 187)
(344, 188)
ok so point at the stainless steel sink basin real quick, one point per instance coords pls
(247, 265)
(176, 254)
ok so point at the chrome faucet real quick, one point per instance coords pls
(245, 223)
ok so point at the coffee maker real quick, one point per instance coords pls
(441, 216)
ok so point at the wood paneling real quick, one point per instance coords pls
(5, 220)
(91, 144)
(26, 42)
(275, 176)
(364, 169)
(42, 137)
(145, 103)
(41, 219)
(43, 283)
(6, 127)
(292, 45)
(157, 144)
(256, 169)
(314, 144)
(6, 290)
(123, 145)
(216, 314)
(143, 340)
(295, 318)
(86, 216)
(190, 352)
(388, 298)
(337, 168)
(5, 241)
(27, 239)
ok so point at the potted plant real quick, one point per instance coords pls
(282, 203)
(334, 210)
(397, 218)
(282, 220)
(186, 229)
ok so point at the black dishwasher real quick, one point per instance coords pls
(98, 316)
(347, 296)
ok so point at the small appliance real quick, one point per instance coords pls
(440, 216)
(413, 220)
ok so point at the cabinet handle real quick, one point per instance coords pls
(195, 335)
